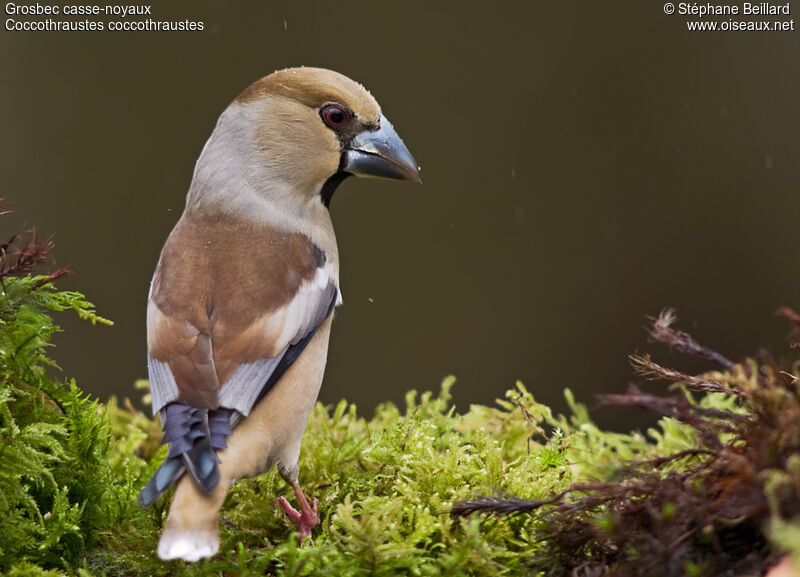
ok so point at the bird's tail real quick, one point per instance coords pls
(194, 436)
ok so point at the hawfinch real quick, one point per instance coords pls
(240, 306)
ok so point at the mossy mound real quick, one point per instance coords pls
(718, 480)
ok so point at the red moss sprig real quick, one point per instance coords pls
(23, 252)
(661, 331)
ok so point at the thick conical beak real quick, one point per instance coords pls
(380, 154)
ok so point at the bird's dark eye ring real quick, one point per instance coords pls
(334, 116)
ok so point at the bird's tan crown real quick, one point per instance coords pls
(315, 87)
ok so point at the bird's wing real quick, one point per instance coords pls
(230, 309)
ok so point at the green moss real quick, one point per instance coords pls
(53, 478)
(71, 468)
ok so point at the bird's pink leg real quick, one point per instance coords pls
(306, 518)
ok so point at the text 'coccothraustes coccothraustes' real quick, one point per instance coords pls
(240, 306)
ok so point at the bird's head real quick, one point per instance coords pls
(299, 132)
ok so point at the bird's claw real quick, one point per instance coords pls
(305, 519)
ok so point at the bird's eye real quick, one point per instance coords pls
(334, 116)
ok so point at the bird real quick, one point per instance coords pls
(241, 302)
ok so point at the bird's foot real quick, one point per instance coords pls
(306, 518)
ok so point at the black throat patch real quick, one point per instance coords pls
(330, 187)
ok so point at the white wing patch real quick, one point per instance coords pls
(301, 315)
(163, 388)
(244, 387)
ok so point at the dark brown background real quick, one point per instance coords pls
(585, 164)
